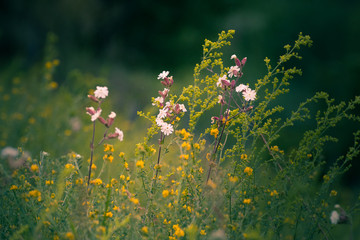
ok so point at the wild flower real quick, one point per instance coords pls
(163, 75)
(101, 92)
(248, 170)
(34, 168)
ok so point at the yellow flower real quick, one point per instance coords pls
(333, 193)
(202, 232)
(122, 154)
(109, 214)
(211, 184)
(96, 181)
(108, 147)
(134, 200)
(214, 132)
(233, 179)
(165, 193)
(326, 178)
(184, 156)
(69, 166)
(140, 164)
(178, 231)
(273, 193)
(115, 208)
(247, 201)
(145, 230)
(34, 168)
(243, 156)
(69, 235)
(49, 182)
(48, 65)
(274, 148)
(93, 166)
(186, 145)
(14, 187)
(248, 170)
(122, 177)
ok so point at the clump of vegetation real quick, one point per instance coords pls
(230, 180)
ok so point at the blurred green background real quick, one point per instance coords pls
(130, 42)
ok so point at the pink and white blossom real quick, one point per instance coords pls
(167, 129)
(233, 71)
(96, 115)
(158, 100)
(90, 110)
(112, 115)
(101, 92)
(182, 107)
(159, 122)
(233, 56)
(241, 87)
(120, 134)
(220, 81)
(162, 113)
(163, 75)
(249, 95)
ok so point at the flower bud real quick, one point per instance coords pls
(90, 111)
(102, 120)
(93, 98)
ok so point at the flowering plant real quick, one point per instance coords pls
(229, 180)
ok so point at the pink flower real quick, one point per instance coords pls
(90, 110)
(163, 75)
(233, 71)
(96, 115)
(167, 129)
(241, 87)
(158, 100)
(120, 134)
(101, 92)
(222, 81)
(249, 94)
(182, 108)
(112, 115)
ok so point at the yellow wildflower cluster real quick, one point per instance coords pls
(140, 164)
(183, 133)
(274, 193)
(34, 168)
(96, 181)
(109, 214)
(165, 193)
(178, 231)
(184, 156)
(69, 166)
(214, 132)
(134, 200)
(247, 201)
(35, 193)
(248, 170)
(186, 145)
(276, 149)
(233, 179)
(243, 156)
(108, 148)
(108, 157)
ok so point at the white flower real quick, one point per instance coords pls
(112, 115)
(220, 98)
(219, 82)
(241, 87)
(162, 113)
(163, 75)
(159, 122)
(233, 71)
(96, 115)
(249, 94)
(233, 56)
(120, 134)
(9, 152)
(182, 107)
(158, 100)
(101, 92)
(335, 217)
(167, 129)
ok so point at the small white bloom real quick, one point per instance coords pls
(219, 82)
(120, 134)
(167, 129)
(233, 71)
(9, 152)
(163, 75)
(78, 156)
(220, 98)
(233, 56)
(101, 92)
(249, 94)
(335, 217)
(158, 100)
(96, 115)
(162, 113)
(182, 107)
(159, 122)
(112, 115)
(241, 87)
